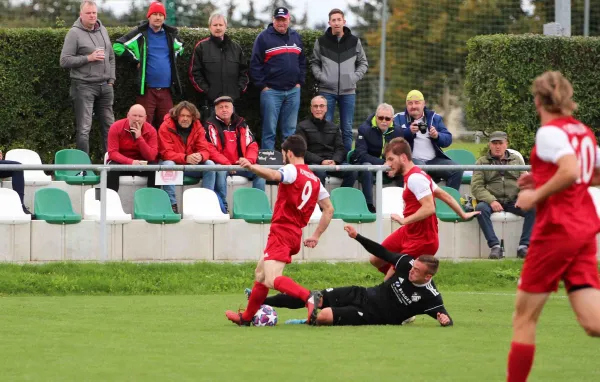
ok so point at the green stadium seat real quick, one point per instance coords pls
(349, 204)
(443, 211)
(252, 205)
(72, 156)
(153, 205)
(349, 156)
(190, 180)
(463, 157)
(54, 206)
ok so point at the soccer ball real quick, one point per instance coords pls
(266, 316)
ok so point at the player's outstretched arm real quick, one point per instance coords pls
(440, 314)
(263, 172)
(449, 200)
(372, 247)
(326, 216)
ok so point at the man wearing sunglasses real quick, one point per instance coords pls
(426, 133)
(324, 143)
(373, 134)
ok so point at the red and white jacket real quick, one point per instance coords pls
(228, 143)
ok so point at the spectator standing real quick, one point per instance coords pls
(153, 48)
(218, 66)
(278, 69)
(338, 62)
(497, 191)
(373, 134)
(426, 133)
(88, 54)
(132, 141)
(230, 139)
(324, 143)
(182, 140)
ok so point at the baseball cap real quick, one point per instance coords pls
(415, 95)
(498, 136)
(223, 99)
(281, 12)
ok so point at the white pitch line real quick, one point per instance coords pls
(494, 294)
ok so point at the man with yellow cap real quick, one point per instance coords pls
(426, 133)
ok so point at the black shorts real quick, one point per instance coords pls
(350, 306)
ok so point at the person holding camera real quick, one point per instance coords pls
(132, 141)
(426, 133)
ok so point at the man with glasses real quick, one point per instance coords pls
(426, 133)
(497, 191)
(324, 143)
(373, 134)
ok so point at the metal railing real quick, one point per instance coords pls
(103, 170)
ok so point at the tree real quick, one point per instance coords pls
(270, 8)
(303, 22)
(249, 19)
(231, 22)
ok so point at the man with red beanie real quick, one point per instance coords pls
(152, 47)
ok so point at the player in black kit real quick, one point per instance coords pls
(409, 292)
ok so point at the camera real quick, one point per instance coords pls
(422, 127)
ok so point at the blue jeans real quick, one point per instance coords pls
(212, 180)
(366, 181)
(257, 181)
(485, 222)
(453, 178)
(346, 104)
(278, 108)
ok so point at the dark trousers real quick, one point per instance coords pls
(18, 182)
(453, 178)
(112, 180)
(366, 180)
(348, 177)
(157, 103)
(90, 100)
(485, 222)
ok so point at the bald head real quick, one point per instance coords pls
(136, 115)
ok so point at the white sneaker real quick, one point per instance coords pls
(409, 320)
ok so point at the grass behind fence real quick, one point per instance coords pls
(209, 278)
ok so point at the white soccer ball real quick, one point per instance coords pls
(266, 316)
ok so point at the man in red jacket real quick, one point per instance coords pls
(231, 139)
(132, 141)
(182, 140)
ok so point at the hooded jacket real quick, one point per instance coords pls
(371, 141)
(133, 46)
(338, 65)
(171, 146)
(221, 142)
(79, 43)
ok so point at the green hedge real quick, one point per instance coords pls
(501, 68)
(35, 108)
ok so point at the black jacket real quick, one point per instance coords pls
(132, 48)
(323, 141)
(370, 142)
(218, 67)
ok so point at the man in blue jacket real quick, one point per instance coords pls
(278, 68)
(373, 135)
(426, 133)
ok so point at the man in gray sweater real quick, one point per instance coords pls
(87, 51)
(338, 63)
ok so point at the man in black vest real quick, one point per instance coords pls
(338, 63)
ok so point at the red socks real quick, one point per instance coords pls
(257, 297)
(520, 360)
(384, 268)
(288, 286)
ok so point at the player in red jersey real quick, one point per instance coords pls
(419, 232)
(299, 192)
(564, 163)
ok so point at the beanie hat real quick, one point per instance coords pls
(156, 7)
(414, 95)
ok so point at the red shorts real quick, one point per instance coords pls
(548, 262)
(400, 242)
(282, 245)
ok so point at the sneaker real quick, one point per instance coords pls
(312, 304)
(248, 292)
(81, 173)
(495, 253)
(522, 252)
(236, 318)
(26, 210)
(175, 209)
(409, 320)
(296, 321)
(371, 208)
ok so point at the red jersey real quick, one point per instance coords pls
(418, 185)
(298, 193)
(571, 212)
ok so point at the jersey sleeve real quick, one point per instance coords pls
(404, 264)
(597, 157)
(289, 173)
(378, 250)
(419, 185)
(323, 194)
(437, 306)
(552, 143)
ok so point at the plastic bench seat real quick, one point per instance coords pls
(349, 204)
(54, 206)
(252, 205)
(72, 156)
(153, 205)
(463, 157)
(443, 211)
